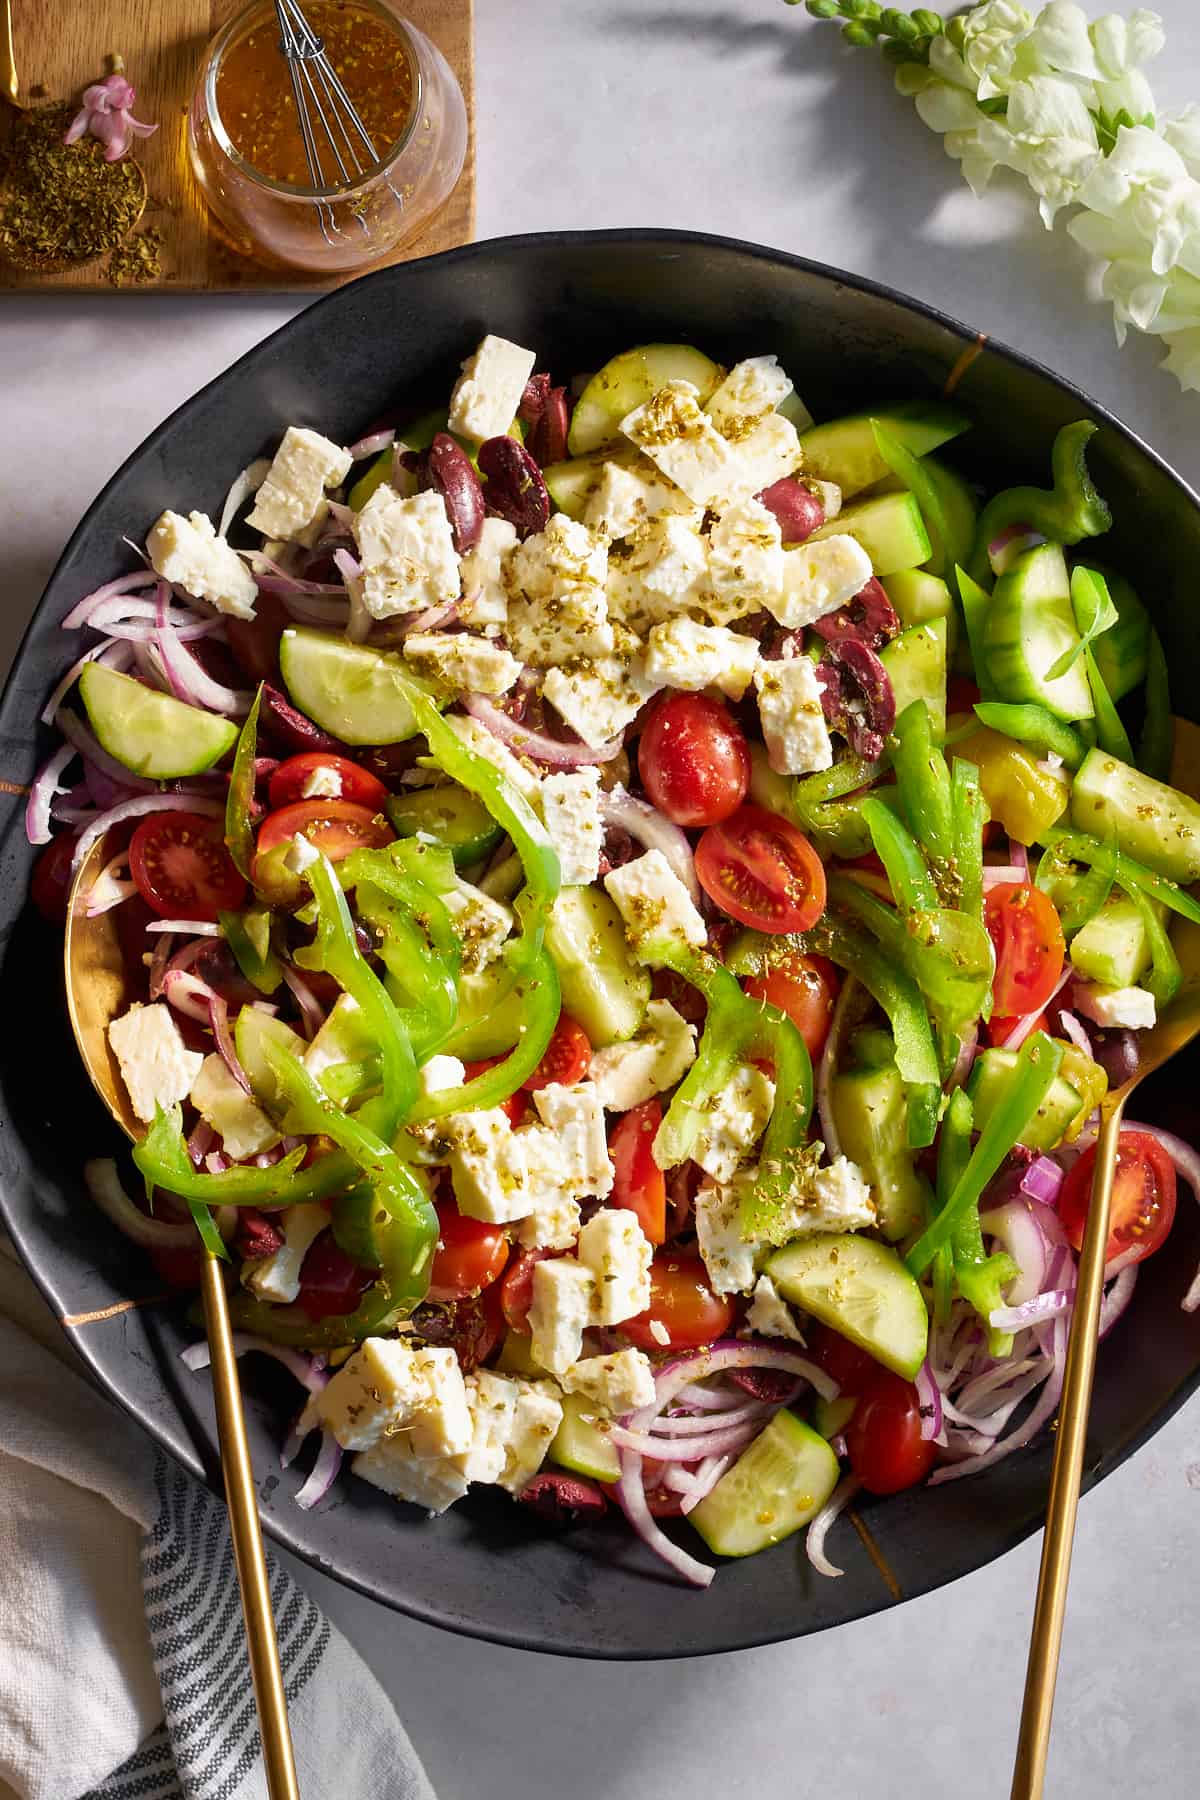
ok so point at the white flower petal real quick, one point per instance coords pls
(1183, 135)
(1060, 38)
(1124, 44)
(1046, 108)
(944, 108)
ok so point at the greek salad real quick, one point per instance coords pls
(631, 901)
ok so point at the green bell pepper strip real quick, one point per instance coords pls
(174, 1165)
(1029, 723)
(975, 602)
(981, 1279)
(1111, 734)
(261, 968)
(1077, 846)
(923, 783)
(953, 536)
(1066, 513)
(954, 1150)
(1158, 728)
(818, 806)
(1084, 901)
(1095, 614)
(947, 954)
(239, 832)
(1165, 977)
(426, 980)
(1037, 1064)
(911, 883)
(970, 818)
(162, 1159)
(537, 990)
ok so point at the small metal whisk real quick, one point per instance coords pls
(328, 120)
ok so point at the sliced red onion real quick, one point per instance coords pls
(996, 873)
(135, 809)
(1026, 1023)
(1028, 1230)
(308, 1372)
(63, 688)
(1031, 1312)
(201, 1141)
(188, 927)
(1117, 1296)
(1043, 1411)
(929, 1398)
(82, 612)
(753, 1412)
(159, 959)
(708, 1399)
(1069, 1022)
(1191, 1300)
(965, 1060)
(818, 1531)
(371, 445)
(42, 795)
(105, 1190)
(720, 1440)
(216, 1162)
(278, 580)
(189, 682)
(77, 733)
(396, 630)
(324, 1472)
(312, 1012)
(631, 1497)
(536, 744)
(704, 1481)
(110, 887)
(245, 484)
(187, 994)
(1042, 1180)
(654, 831)
(308, 610)
(133, 621)
(218, 1017)
(1010, 543)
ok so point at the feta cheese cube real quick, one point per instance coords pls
(728, 1255)
(553, 1219)
(221, 1101)
(734, 1122)
(617, 1251)
(434, 1483)
(485, 606)
(628, 496)
(770, 1315)
(654, 905)
(388, 1390)
(558, 609)
(492, 1403)
(277, 1277)
(841, 1199)
(321, 783)
(156, 1065)
(441, 1072)
(664, 571)
(1130, 1007)
(684, 444)
(791, 716)
(488, 392)
(620, 1382)
(745, 561)
(598, 698)
(487, 1167)
(475, 737)
(291, 502)
(828, 493)
(627, 1074)
(189, 554)
(764, 454)
(576, 1117)
(462, 661)
(406, 549)
(751, 388)
(818, 577)
(681, 653)
(302, 854)
(571, 812)
(536, 1419)
(481, 924)
(564, 1295)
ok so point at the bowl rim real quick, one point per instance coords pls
(275, 1526)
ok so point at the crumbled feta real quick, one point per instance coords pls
(734, 1122)
(727, 1254)
(341, 1038)
(745, 561)
(751, 388)
(406, 549)
(663, 572)
(485, 605)
(302, 853)
(276, 1278)
(492, 1404)
(770, 1315)
(818, 577)
(222, 1102)
(434, 1483)
(659, 1332)
(536, 1419)
(487, 1167)
(321, 783)
(481, 924)
(654, 905)
(558, 608)
(488, 392)
(681, 653)
(576, 1117)
(479, 740)
(388, 1390)
(562, 1307)
(627, 497)
(791, 716)
(684, 444)
(464, 662)
(841, 1199)
(291, 502)
(828, 493)
(764, 455)
(1129, 1007)
(571, 812)
(441, 1072)
(626, 1074)
(620, 1382)
(189, 554)
(552, 1222)
(156, 1065)
(617, 1251)
(598, 698)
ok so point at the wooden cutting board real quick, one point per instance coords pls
(61, 48)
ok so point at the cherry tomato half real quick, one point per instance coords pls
(470, 1255)
(639, 1185)
(335, 826)
(803, 987)
(883, 1437)
(50, 888)
(356, 784)
(1143, 1198)
(568, 1056)
(682, 1304)
(694, 760)
(851, 1367)
(762, 871)
(181, 867)
(331, 1283)
(1028, 938)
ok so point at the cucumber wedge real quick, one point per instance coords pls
(629, 380)
(861, 1289)
(602, 986)
(446, 815)
(890, 529)
(571, 484)
(845, 451)
(778, 1483)
(580, 1445)
(1028, 626)
(918, 596)
(1153, 822)
(354, 693)
(250, 1036)
(153, 734)
(916, 664)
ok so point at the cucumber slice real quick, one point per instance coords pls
(571, 484)
(989, 1082)
(251, 1034)
(153, 734)
(890, 529)
(450, 816)
(1114, 947)
(489, 1015)
(845, 451)
(352, 692)
(793, 409)
(602, 986)
(1153, 822)
(870, 1110)
(580, 1445)
(918, 596)
(916, 664)
(954, 535)
(627, 381)
(862, 1289)
(1028, 626)
(778, 1483)
(831, 1417)
(516, 1356)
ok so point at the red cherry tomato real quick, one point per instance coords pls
(762, 871)
(470, 1255)
(1028, 938)
(335, 826)
(50, 887)
(331, 1282)
(639, 1184)
(803, 987)
(682, 1304)
(357, 784)
(255, 642)
(1143, 1198)
(852, 1368)
(516, 1289)
(515, 1106)
(568, 1055)
(181, 867)
(883, 1437)
(999, 1030)
(961, 694)
(694, 760)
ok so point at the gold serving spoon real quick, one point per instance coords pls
(96, 994)
(1177, 1026)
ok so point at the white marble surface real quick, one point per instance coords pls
(743, 118)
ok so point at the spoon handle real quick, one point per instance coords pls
(1029, 1771)
(247, 1542)
(9, 85)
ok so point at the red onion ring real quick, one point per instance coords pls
(109, 888)
(115, 655)
(324, 1473)
(1117, 1296)
(104, 1188)
(1042, 1180)
(312, 1012)
(43, 792)
(308, 1372)
(188, 927)
(964, 1061)
(929, 1396)
(1030, 1312)
(703, 1481)
(1069, 1022)
(654, 831)
(536, 744)
(189, 682)
(818, 1531)
(371, 445)
(718, 1441)
(134, 809)
(1042, 1412)
(82, 611)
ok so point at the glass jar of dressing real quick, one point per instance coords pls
(248, 151)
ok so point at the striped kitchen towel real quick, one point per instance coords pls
(123, 1666)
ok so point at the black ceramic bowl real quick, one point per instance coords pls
(486, 1568)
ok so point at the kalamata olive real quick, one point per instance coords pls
(515, 490)
(449, 472)
(856, 696)
(799, 511)
(774, 1385)
(562, 1499)
(278, 717)
(390, 762)
(471, 1328)
(870, 617)
(217, 966)
(256, 1235)
(546, 414)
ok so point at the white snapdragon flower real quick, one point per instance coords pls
(1054, 135)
